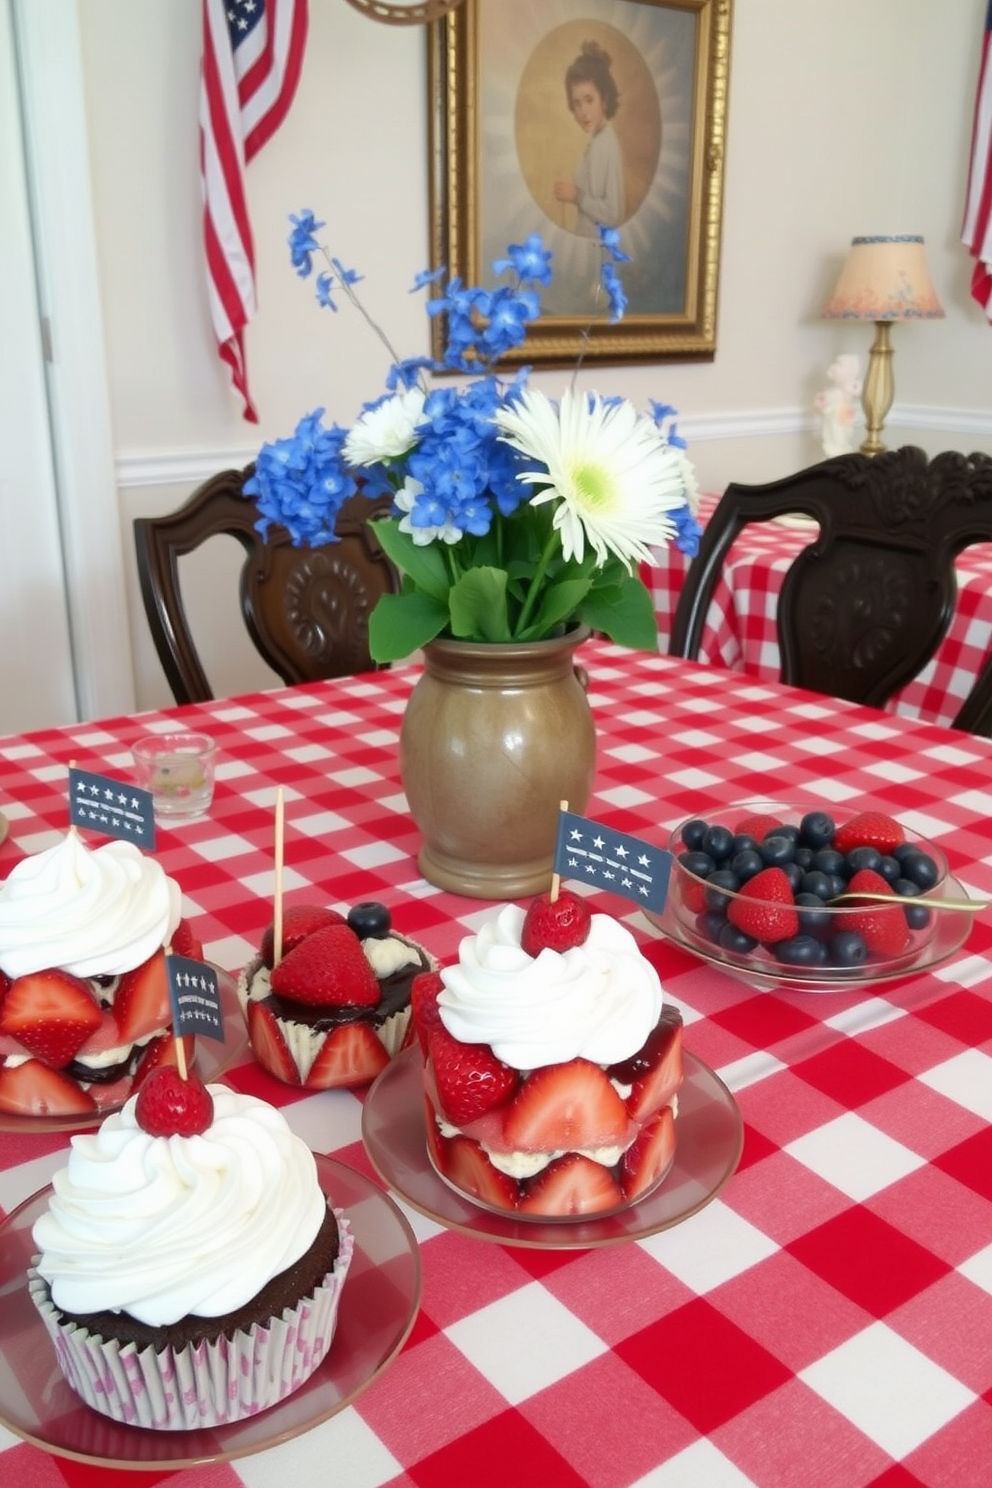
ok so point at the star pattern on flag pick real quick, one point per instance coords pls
(111, 807)
(613, 860)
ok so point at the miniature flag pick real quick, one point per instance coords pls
(621, 864)
(114, 807)
(195, 998)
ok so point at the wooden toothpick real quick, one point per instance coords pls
(277, 896)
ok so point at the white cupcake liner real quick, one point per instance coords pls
(205, 1384)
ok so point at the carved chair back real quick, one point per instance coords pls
(866, 603)
(306, 609)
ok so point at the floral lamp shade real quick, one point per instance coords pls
(884, 278)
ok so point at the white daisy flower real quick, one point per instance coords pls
(610, 470)
(405, 499)
(387, 431)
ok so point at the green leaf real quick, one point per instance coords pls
(478, 605)
(424, 566)
(624, 612)
(401, 623)
(559, 603)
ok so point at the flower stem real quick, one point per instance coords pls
(537, 579)
(344, 285)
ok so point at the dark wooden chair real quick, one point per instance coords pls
(306, 609)
(865, 605)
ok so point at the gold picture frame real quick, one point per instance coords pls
(503, 135)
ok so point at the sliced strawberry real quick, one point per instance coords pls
(436, 1143)
(162, 1050)
(141, 1002)
(468, 1078)
(468, 1168)
(269, 1046)
(185, 943)
(32, 1089)
(650, 1156)
(565, 1106)
(764, 907)
(555, 924)
(298, 921)
(572, 1184)
(105, 1036)
(869, 829)
(52, 1013)
(758, 825)
(328, 969)
(424, 1015)
(884, 930)
(654, 1073)
(350, 1055)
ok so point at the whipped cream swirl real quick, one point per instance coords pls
(598, 1001)
(161, 1227)
(89, 911)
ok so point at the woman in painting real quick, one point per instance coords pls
(597, 189)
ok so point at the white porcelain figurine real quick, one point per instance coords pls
(837, 405)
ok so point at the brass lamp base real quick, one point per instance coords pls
(876, 397)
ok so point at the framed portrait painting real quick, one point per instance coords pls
(552, 116)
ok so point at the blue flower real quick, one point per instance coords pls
(530, 261)
(614, 290)
(609, 239)
(303, 242)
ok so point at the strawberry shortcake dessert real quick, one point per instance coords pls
(84, 995)
(552, 1064)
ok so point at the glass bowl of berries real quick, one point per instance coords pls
(820, 898)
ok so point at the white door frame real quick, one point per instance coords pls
(54, 119)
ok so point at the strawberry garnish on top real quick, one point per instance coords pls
(555, 924)
(52, 1013)
(298, 922)
(764, 907)
(170, 1106)
(869, 829)
(327, 969)
(468, 1078)
(885, 930)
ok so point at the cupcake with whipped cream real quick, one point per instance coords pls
(552, 1064)
(189, 1266)
(85, 1011)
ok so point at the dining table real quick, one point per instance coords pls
(740, 630)
(809, 1305)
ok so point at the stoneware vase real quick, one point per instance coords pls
(493, 739)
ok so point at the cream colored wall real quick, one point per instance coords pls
(845, 118)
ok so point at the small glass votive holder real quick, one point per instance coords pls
(178, 769)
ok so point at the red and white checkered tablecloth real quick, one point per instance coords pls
(740, 630)
(826, 1322)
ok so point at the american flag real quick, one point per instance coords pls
(977, 230)
(252, 56)
(615, 861)
(194, 995)
(112, 807)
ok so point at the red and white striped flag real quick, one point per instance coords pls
(252, 57)
(977, 230)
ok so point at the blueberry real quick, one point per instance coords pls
(815, 882)
(735, 941)
(863, 857)
(838, 885)
(717, 842)
(746, 863)
(777, 850)
(828, 861)
(718, 885)
(917, 916)
(804, 857)
(743, 842)
(794, 874)
(902, 849)
(370, 920)
(889, 868)
(698, 863)
(693, 833)
(710, 925)
(848, 948)
(801, 950)
(813, 914)
(817, 829)
(920, 869)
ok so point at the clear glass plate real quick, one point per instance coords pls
(710, 1142)
(379, 1303)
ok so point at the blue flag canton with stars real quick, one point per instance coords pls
(111, 806)
(615, 861)
(242, 18)
(195, 997)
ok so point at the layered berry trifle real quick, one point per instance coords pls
(552, 1064)
(84, 997)
(189, 1266)
(336, 1007)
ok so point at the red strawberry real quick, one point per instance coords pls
(52, 1013)
(572, 1184)
(110, 1096)
(650, 1156)
(350, 1055)
(141, 1002)
(468, 1168)
(436, 1143)
(885, 930)
(159, 1051)
(424, 1015)
(105, 1036)
(555, 925)
(869, 829)
(298, 921)
(327, 969)
(469, 1079)
(763, 907)
(32, 1089)
(654, 1073)
(693, 891)
(185, 943)
(269, 1046)
(758, 825)
(564, 1106)
(169, 1106)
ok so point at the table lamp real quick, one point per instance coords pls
(883, 279)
